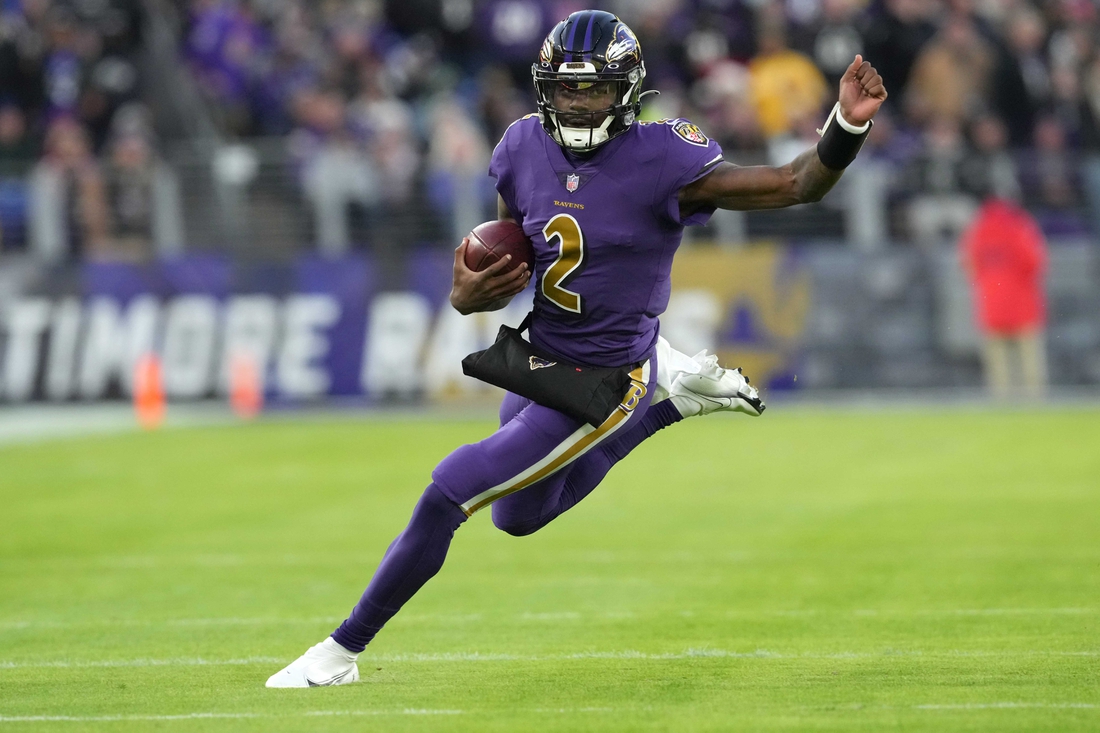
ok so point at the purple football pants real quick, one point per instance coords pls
(538, 464)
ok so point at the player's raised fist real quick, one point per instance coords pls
(861, 92)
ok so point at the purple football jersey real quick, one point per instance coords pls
(605, 230)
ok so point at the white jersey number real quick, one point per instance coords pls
(567, 231)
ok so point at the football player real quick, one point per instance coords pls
(605, 199)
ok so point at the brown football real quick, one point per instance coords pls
(493, 240)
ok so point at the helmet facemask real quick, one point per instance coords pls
(585, 126)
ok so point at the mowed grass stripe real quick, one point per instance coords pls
(546, 616)
(762, 654)
(731, 574)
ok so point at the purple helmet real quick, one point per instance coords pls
(590, 50)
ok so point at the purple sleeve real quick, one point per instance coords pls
(689, 156)
(500, 168)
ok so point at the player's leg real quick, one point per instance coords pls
(534, 445)
(410, 561)
(683, 387)
(528, 511)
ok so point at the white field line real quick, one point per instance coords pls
(1012, 706)
(214, 716)
(551, 711)
(230, 561)
(174, 662)
(504, 657)
(549, 616)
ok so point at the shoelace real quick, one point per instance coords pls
(707, 363)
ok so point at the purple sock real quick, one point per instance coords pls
(657, 417)
(414, 557)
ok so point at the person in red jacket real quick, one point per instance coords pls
(1004, 253)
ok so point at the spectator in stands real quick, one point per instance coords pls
(989, 166)
(786, 86)
(21, 52)
(336, 171)
(18, 153)
(389, 126)
(68, 49)
(501, 103)
(724, 98)
(895, 34)
(951, 76)
(1050, 178)
(1004, 253)
(292, 67)
(457, 159)
(225, 47)
(142, 193)
(1089, 110)
(661, 28)
(509, 32)
(18, 150)
(1021, 81)
(941, 207)
(68, 202)
(837, 40)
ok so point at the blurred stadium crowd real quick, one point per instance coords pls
(131, 129)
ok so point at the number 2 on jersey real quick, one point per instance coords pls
(570, 262)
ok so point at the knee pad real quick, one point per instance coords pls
(461, 475)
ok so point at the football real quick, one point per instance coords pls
(493, 240)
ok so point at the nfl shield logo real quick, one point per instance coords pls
(571, 182)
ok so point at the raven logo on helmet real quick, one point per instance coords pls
(594, 57)
(626, 43)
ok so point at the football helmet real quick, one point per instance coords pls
(588, 80)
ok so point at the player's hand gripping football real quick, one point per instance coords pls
(861, 92)
(488, 290)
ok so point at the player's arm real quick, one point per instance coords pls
(806, 178)
(491, 289)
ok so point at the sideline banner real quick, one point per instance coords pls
(750, 306)
(320, 327)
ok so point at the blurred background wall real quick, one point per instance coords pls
(286, 180)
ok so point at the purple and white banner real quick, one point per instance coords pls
(314, 328)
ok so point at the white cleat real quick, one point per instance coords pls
(323, 665)
(714, 389)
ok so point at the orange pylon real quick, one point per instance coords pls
(246, 390)
(150, 404)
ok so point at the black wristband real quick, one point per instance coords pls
(838, 147)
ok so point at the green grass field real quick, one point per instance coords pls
(812, 570)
